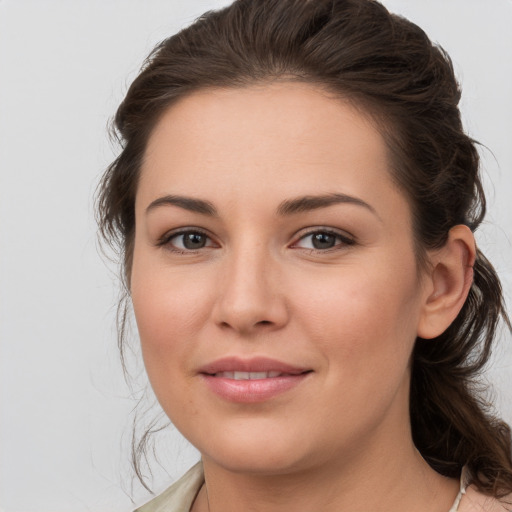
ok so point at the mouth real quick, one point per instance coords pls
(239, 375)
(250, 369)
(253, 380)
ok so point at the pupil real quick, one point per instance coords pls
(323, 240)
(194, 240)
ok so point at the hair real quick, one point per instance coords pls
(388, 67)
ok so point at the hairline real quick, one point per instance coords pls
(370, 108)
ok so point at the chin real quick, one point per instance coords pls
(257, 461)
(257, 450)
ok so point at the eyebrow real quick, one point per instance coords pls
(288, 207)
(187, 203)
(307, 203)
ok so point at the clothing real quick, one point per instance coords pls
(180, 496)
(470, 500)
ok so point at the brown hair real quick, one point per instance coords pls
(389, 67)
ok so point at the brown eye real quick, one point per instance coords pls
(188, 241)
(322, 240)
(193, 240)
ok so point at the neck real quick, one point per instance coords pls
(388, 479)
(380, 470)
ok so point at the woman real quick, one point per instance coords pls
(295, 203)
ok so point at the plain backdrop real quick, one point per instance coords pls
(64, 66)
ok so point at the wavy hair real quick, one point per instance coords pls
(388, 67)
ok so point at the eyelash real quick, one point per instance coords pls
(341, 240)
(165, 241)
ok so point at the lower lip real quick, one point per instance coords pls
(252, 391)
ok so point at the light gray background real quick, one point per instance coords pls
(64, 66)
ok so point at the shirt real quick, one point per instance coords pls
(180, 496)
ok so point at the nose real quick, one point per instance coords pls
(250, 297)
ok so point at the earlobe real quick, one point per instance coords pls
(450, 280)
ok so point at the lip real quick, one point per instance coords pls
(254, 364)
(253, 390)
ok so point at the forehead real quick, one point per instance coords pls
(283, 137)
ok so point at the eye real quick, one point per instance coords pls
(322, 240)
(190, 240)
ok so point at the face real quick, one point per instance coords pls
(274, 280)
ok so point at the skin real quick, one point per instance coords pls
(258, 287)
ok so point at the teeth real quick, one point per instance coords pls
(248, 375)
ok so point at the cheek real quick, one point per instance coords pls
(367, 317)
(167, 322)
(170, 309)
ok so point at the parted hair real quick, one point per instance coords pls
(388, 67)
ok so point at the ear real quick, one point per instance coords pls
(447, 282)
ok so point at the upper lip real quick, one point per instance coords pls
(255, 364)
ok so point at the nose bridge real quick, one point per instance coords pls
(249, 296)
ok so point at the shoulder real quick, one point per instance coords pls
(180, 495)
(474, 501)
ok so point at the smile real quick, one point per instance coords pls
(253, 380)
(237, 375)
